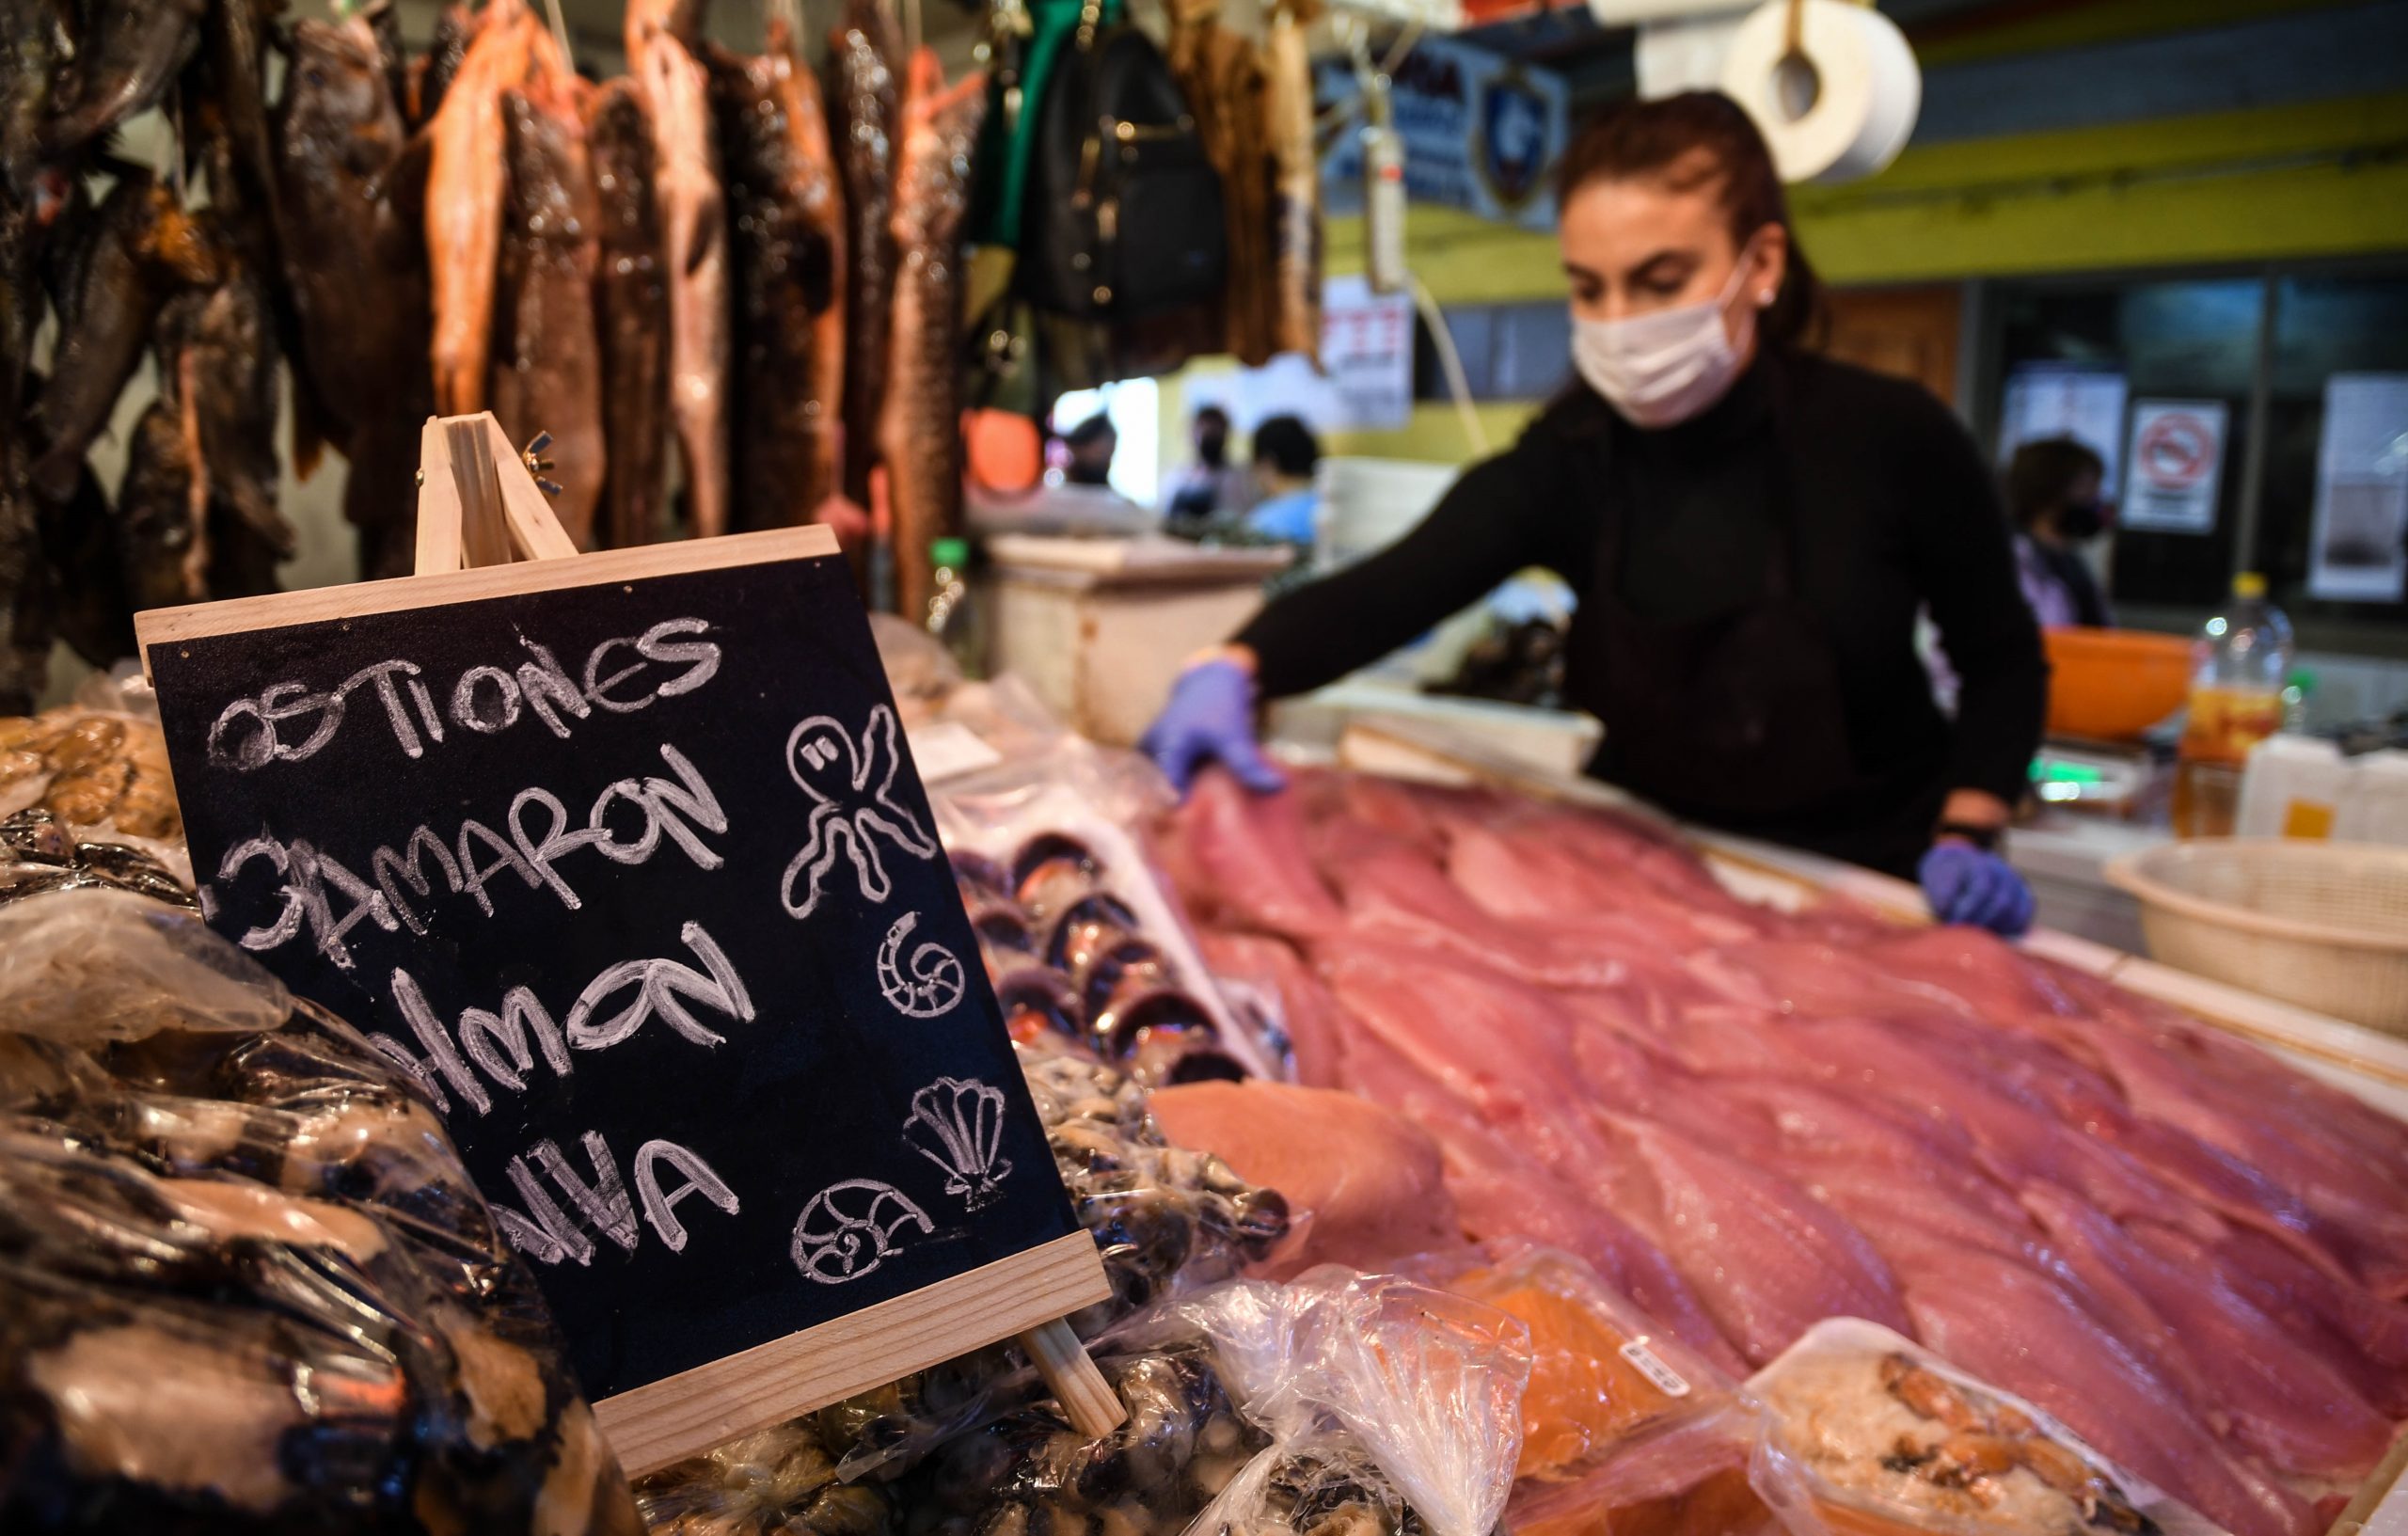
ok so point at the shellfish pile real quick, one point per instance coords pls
(89, 770)
(1072, 960)
(245, 1283)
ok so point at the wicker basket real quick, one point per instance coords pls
(2323, 925)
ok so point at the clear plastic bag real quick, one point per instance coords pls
(1422, 1387)
(1080, 935)
(246, 1284)
(781, 1481)
(1873, 1434)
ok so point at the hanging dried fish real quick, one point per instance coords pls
(547, 360)
(142, 248)
(1295, 203)
(632, 313)
(128, 54)
(465, 189)
(919, 434)
(865, 68)
(693, 213)
(349, 210)
(786, 243)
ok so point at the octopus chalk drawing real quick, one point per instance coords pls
(933, 983)
(850, 1228)
(853, 813)
(959, 1126)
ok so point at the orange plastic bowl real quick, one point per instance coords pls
(2111, 685)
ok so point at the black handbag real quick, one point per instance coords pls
(1123, 214)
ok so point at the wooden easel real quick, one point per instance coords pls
(478, 505)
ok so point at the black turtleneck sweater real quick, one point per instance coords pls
(1892, 509)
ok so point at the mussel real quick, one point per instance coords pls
(1039, 1002)
(1052, 871)
(980, 878)
(1127, 967)
(1084, 927)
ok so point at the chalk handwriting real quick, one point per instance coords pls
(290, 722)
(959, 1126)
(318, 893)
(503, 1047)
(852, 810)
(850, 1228)
(932, 985)
(549, 1235)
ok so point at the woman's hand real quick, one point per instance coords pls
(1975, 887)
(1210, 718)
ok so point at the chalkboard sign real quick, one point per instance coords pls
(624, 859)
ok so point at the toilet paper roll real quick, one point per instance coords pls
(1869, 88)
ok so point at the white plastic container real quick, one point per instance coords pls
(2293, 787)
(2375, 808)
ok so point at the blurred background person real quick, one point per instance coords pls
(1211, 487)
(2053, 497)
(1091, 443)
(1285, 455)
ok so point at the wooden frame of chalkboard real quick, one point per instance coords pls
(815, 1041)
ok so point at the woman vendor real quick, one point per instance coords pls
(1751, 529)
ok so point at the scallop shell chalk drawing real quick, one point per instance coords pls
(959, 1126)
(853, 815)
(934, 981)
(850, 1228)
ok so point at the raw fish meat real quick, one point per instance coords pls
(1366, 1184)
(1746, 1120)
(1307, 1012)
(1247, 851)
(2284, 1403)
(1768, 1259)
(2026, 1333)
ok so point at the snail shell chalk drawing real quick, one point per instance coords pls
(932, 985)
(850, 1228)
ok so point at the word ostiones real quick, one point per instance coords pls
(290, 722)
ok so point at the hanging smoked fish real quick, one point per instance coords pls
(786, 249)
(348, 215)
(631, 303)
(547, 360)
(693, 213)
(919, 434)
(865, 60)
(466, 186)
(1295, 202)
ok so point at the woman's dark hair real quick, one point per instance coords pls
(2042, 473)
(1701, 139)
(1286, 444)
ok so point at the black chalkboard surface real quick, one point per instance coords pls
(634, 874)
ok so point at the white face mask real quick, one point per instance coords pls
(1662, 369)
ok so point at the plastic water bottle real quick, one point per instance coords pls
(2242, 664)
(951, 617)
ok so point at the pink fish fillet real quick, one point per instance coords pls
(1249, 852)
(1769, 1260)
(2017, 1142)
(1394, 892)
(2284, 1402)
(1309, 1014)
(2355, 1332)
(2026, 1333)
(1501, 1190)
(1529, 882)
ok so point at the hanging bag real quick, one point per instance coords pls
(1124, 214)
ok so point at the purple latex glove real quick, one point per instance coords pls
(1210, 718)
(1977, 889)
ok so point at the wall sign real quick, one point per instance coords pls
(1481, 132)
(2359, 550)
(2174, 466)
(622, 857)
(2046, 400)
